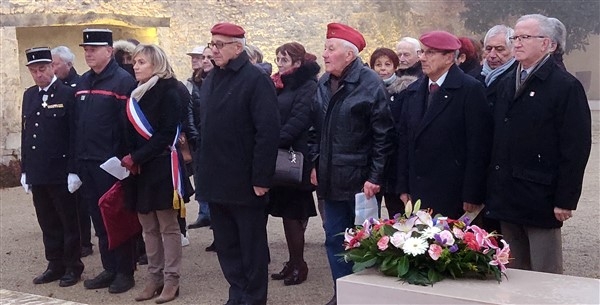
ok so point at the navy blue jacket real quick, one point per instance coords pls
(47, 135)
(444, 151)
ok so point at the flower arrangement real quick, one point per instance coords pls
(422, 250)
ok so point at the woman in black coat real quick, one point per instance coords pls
(385, 62)
(149, 161)
(296, 85)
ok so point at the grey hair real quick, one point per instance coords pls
(497, 30)
(545, 24)
(415, 42)
(240, 40)
(254, 52)
(456, 54)
(348, 45)
(64, 53)
(560, 35)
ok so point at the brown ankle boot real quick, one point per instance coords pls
(151, 290)
(169, 293)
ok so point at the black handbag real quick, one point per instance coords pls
(289, 167)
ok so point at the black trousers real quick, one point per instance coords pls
(56, 211)
(95, 182)
(85, 222)
(241, 242)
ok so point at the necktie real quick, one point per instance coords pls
(433, 88)
(523, 76)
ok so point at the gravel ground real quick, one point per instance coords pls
(22, 256)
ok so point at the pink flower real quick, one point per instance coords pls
(460, 234)
(383, 242)
(483, 238)
(398, 239)
(435, 251)
(446, 238)
(501, 257)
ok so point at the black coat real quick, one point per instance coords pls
(542, 141)
(444, 152)
(239, 132)
(355, 130)
(72, 78)
(100, 113)
(394, 89)
(162, 107)
(492, 90)
(295, 102)
(47, 135)
(415, 70)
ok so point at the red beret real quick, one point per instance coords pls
(228, 29)
(440, 40)
(342, 31)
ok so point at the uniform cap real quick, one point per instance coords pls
(38, 55)
(228, 29)
(440, 40)
(342, 31)
(97, 37)
(197, 50)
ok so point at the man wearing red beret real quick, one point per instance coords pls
(239, 128)
(354, 127)
(445, 130)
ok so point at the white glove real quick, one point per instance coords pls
(73, 182)
(26, 186)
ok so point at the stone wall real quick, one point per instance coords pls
(178, 25)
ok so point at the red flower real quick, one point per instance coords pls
(471, 241)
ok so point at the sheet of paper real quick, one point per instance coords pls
(113, 167)
(471, 215)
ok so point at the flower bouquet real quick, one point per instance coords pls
(422, 250)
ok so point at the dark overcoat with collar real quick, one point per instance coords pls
(542, 141)
(239, 132)
(444, 151)
(355, 131)
(47, 135)
(491, 91)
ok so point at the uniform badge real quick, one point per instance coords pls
(82, 98)
(532, 93)
(44, 100)
(56, 106)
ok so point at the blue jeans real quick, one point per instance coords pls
(339, 215)
(203, 210)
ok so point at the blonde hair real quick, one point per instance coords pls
(158, 59)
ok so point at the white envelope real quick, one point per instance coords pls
(113, 167)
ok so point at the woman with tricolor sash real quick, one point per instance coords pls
(153, 112)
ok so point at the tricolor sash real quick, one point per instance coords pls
(142, 126)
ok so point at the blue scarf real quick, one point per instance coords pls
(388, 81)
(491, 75)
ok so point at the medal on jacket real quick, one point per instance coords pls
(44, 100)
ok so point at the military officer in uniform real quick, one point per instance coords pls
(47, 166)
(100, 127)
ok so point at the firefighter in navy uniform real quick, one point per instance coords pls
(48, 168)
(100, 100)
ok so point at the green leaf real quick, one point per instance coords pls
(360, 266)
(434, 276)
(403, 266)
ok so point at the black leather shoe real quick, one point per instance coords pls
(102, 280)
(86, 251)
(199, 223)
(69, 279)
(211, 248)
(48, 276)
(121, 283)
(333, 301)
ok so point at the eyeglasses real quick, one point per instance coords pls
(219, 44)
(524, 37)
(431, 52)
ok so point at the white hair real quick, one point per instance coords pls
(348, 45)
(64, 53)
(545, 24)
(240, 40)
(497, 30)
(415, 42)
(560, 35)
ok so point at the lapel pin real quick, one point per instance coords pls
(532, 93)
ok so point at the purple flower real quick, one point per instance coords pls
(453, 248)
